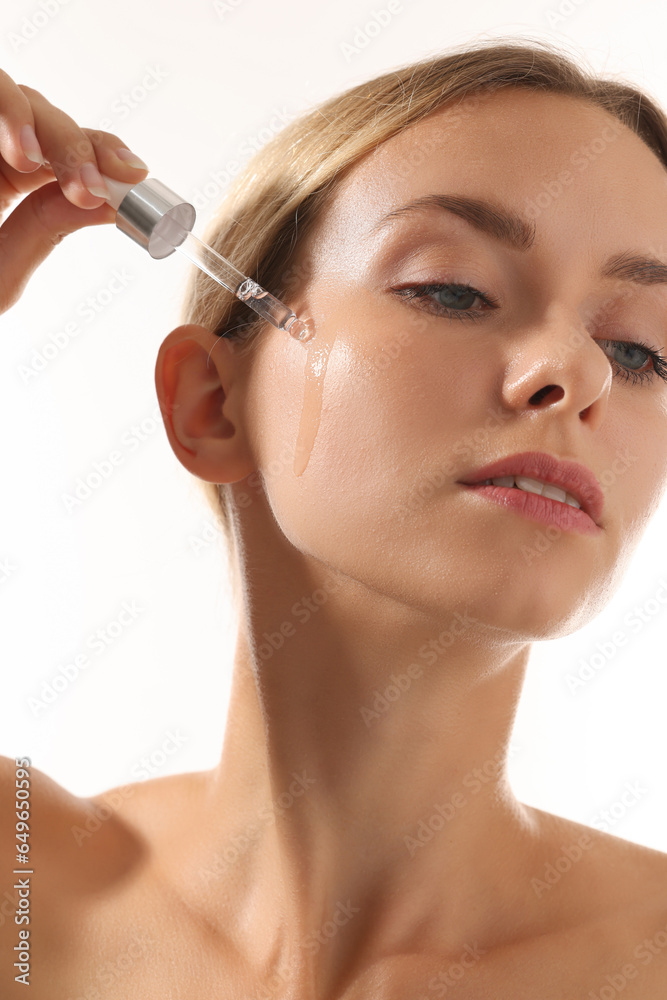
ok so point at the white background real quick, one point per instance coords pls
(216, 77)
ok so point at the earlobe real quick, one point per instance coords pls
(195, 386)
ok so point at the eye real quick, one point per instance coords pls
(431, 296)
(453, 293)
(659, 363)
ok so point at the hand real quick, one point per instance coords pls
(51, 208)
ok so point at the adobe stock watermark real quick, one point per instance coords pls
(401, 682)
(644, 953)
(607, 818)
(211, 532)
(448, 978)
(86, 485)
(238, 843)
(589, 667)
(7, 570)
(146, 767)
(225, 7)
(302, 610)
(465, 448)
(389, 349)
(87, 311)
(98, 642)
(364, 34)
(132, 98)
(279, 980)
(149, 764)
(32, 24)
(580, 159)
(97, 815)
(218, 180)
(562, 865)
(557, 15)
(444, 812)
(76, 153)
(343, 913)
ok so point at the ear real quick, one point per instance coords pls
(197, 378)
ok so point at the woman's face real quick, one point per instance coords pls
(415, 401)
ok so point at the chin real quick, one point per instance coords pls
(527, 606)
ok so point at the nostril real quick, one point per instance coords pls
(538, 396)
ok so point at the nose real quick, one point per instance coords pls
(558, 364)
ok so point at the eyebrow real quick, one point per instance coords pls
(519, 233)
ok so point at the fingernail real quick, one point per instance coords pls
(93, 180)
(132, 160)
(30, 146)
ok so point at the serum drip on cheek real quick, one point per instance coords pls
(317, 359)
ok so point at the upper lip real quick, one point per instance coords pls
(570, 476)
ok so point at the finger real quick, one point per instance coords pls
(17, 127)
(72, 153)
(29, 234)
(126, 167)
(114, 159)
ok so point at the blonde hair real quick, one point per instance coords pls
(273, 203)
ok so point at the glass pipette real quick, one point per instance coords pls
(245, 289)
(160, 221)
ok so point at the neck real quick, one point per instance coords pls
(362, 795)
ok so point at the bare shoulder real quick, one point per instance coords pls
(617, 888)
(634, 877)
(75, 837)
(35, 810)
(154, 808)
(86, 865)
(625, 862)
(61, 857)
(58, 835)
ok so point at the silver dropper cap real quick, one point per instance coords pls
(155, 217)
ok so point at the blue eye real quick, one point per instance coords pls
(631, 374)
(466, 294)
(424, 293)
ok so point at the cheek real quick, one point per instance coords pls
(635, 478)
(394, 402)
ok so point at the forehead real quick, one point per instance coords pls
(524, 149)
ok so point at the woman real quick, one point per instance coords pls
(359, 837)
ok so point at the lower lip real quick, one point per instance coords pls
(538, 508)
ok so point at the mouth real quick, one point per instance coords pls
(559, 487)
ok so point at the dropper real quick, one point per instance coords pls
(160, 221)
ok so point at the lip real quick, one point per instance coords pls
(570, 476)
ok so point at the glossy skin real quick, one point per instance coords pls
(231, 872)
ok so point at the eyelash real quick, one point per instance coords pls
(422, 292)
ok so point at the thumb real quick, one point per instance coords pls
(29, 234)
